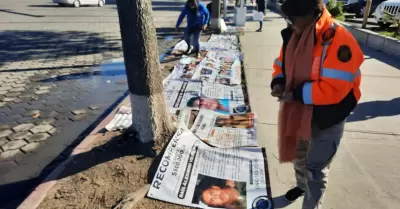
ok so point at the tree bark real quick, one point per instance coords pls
(150, 116)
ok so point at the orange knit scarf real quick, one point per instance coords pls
(294, 122)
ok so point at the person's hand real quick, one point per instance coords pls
(204, 28)
(286, 97)
(277, 90)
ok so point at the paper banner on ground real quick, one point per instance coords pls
(224, 55)
(122, 119)
(185, 69)
(218, 70)
(223, 106)
(191, 173)
(220, 91)
(225, 131)
(178, 93)
(223, 42)
(186, 117)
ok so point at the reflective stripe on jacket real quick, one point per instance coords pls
(335, 76)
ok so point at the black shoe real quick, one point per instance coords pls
(259, 30)
(196, 53)
(293, 194)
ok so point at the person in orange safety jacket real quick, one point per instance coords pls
(331, 90)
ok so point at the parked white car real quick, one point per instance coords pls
(78, 3)
(391, 7)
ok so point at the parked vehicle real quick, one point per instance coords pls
(387, 12)
(357, 7)
(78, 3)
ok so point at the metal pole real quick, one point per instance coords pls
(366, 13)
(225, 8)
(216, 15)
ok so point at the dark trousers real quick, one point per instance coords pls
(196, 33)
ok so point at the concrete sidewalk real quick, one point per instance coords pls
(365, 173)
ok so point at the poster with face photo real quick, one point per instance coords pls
(223, 106)
(185, 69)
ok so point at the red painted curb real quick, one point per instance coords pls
(40, 192)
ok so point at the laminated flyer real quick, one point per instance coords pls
(225, 130)
(191, 173)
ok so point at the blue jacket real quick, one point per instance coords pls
(202, 18)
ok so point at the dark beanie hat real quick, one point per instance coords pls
(298, 8)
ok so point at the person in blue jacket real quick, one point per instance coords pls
(197, 20)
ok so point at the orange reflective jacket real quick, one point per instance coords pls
(335, 75)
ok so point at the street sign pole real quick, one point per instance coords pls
(366, 13)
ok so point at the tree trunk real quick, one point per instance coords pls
(150, 116)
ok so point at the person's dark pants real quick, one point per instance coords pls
(261, 22)
(195, 32)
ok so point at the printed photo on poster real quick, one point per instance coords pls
(224, 106)
(206, 71)
(235, 121)
(219, 193)
(225, 81)
(218, 105)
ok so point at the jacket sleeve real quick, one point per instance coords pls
(181, 16)
(206, 14)
(339, 71)
(278, 76)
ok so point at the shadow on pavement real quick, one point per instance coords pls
(373, 109)
(167, 8)
(19, 13)
(280, 202)
(381, 56)
(45, 6)
(17, 45)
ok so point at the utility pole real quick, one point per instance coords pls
(216, 15)
(366, 13)
(225, 4)
(150, 117)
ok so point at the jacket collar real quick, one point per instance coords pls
(323, 23)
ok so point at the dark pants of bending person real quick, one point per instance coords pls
(195, 32)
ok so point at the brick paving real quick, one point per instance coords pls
(51, 88)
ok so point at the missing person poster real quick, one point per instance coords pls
(178, 93)
(186, 117)
(194, 174)
(220, 91)
(223, 106)
(218, 70)
(225, 130)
